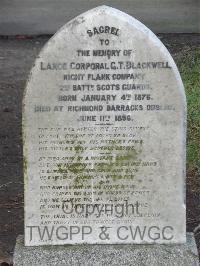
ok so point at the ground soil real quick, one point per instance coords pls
(17, 55)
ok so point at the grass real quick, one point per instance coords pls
(189, 67)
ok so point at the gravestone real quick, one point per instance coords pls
(104, 136)
(104, 125)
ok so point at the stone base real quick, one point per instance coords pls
(146, 255)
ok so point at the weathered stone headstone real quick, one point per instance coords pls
(104, 136)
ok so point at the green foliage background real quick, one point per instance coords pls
(189, 67)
